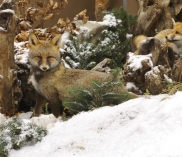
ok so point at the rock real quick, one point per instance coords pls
(177, 71)
(90, 28)
(147, 66)
(154, 79)
(135, 69)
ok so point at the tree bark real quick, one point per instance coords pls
(10, 93)
(156, 15)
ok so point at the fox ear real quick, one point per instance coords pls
(56, 40)
(32, 40)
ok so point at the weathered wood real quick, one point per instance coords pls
(156, 15)
(102, 66)
(100, 6)
(9, 91)
(147, 20)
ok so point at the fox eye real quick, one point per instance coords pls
(38, 58)
(178, 32)
(51, 58)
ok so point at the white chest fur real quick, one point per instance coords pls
(34, 83)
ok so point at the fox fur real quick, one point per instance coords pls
(175, 38)
(51, 78)
(172, 37)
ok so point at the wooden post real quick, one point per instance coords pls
(8, 81)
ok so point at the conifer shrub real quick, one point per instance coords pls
(113, 43)
(14, 133)
(97, 95)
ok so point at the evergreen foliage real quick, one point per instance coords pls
(113, 44)
(97, 95)
(79, 54)
(14, 133)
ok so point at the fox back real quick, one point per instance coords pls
(51, 79)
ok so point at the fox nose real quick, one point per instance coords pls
(44, 68)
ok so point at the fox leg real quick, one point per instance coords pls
(57, 108)
(56, 105)
(41, 101)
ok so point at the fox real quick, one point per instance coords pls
(51, 78)
(172, 37)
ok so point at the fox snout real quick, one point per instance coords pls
(43, 64)
(170, 37)
(167, 38)
(44, 68)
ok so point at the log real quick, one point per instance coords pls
(102, 66)
(10, 93)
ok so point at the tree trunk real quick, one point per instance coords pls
(10, 93)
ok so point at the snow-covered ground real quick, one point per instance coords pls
(149, 126)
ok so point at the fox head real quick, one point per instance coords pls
(176, 34)
(44, 55)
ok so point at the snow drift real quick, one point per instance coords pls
(149, 126)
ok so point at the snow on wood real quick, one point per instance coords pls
(135, 60)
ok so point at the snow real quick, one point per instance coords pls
(154, 72)
(148, 126)
(91, 27)
(26, 115)
(110, 20)
(2, 29)
(131, 85)
(84, 30)
(135, 61)
(2, 118)
(168, 79)
(21, 55)
(128, 36)
(105, 41)
(64, 38)
(7, 11)
(7, 1)
(44, 120)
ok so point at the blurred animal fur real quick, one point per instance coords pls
(172, 37)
